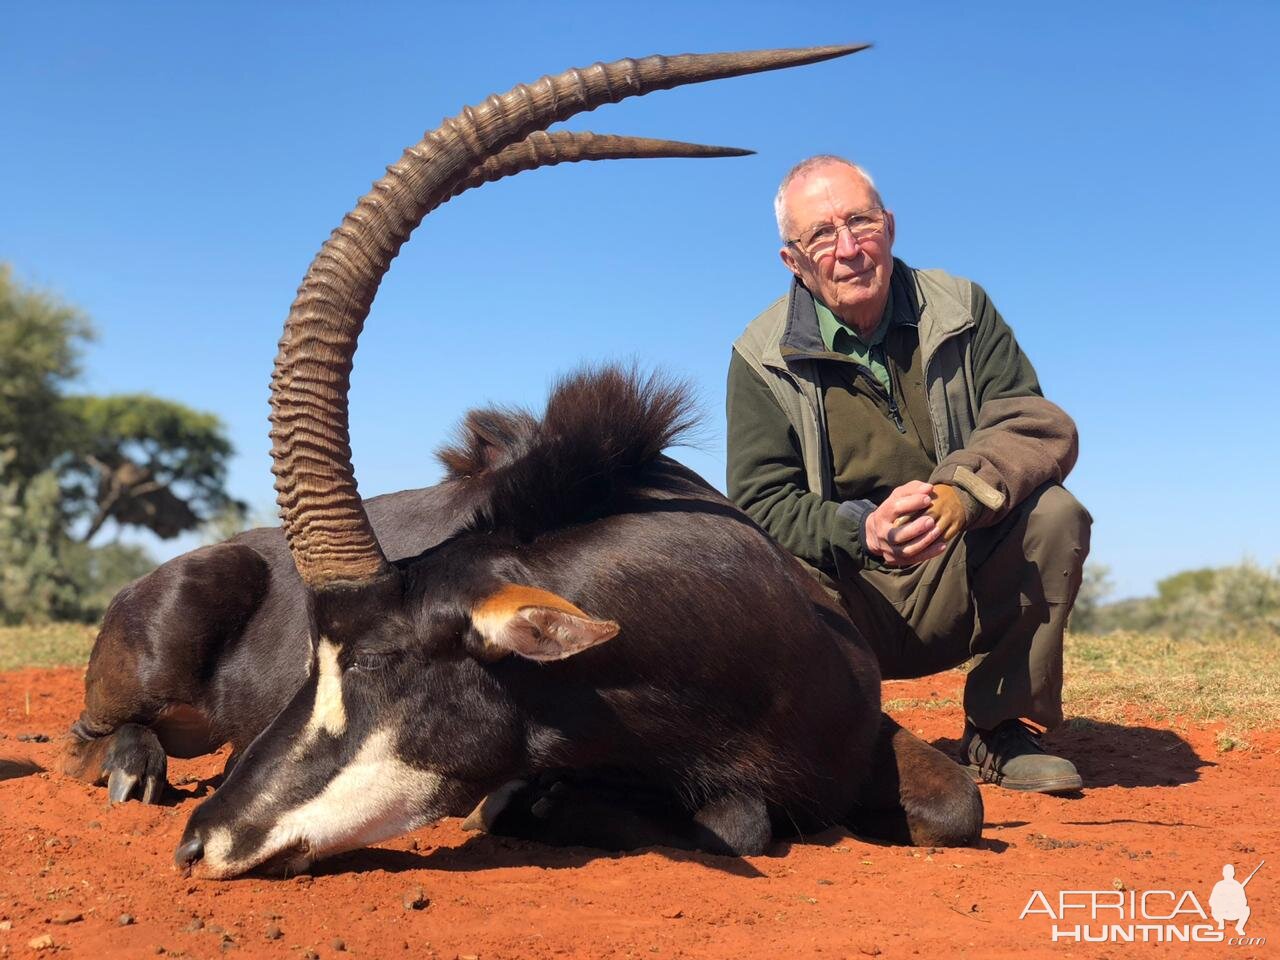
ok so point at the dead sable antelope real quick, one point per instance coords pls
(568, 599)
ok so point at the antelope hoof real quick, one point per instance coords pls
(135, 766)
(487, 811)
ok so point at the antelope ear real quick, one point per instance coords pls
(536, 624)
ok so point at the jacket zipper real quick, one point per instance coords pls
(893, 398)
(876, 388)
(897, 416)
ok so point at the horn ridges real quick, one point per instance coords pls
(325, 523)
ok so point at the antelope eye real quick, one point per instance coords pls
(370, 660)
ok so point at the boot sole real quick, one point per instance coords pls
(1056, 785)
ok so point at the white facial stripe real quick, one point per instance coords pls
(217, 850)
(329, 713)
(374, 797)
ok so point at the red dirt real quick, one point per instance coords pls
(1162, 810)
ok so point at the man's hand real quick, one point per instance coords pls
(901, 530)
(947, 510)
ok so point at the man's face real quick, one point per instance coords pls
(852, 278)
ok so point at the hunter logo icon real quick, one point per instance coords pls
(1128, 915)
(1228, 901)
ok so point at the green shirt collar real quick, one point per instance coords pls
(839, 338)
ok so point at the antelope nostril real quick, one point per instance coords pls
(189, 851)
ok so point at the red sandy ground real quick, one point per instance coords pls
(1163, 810)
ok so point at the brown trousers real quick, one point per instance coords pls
(1000, 594)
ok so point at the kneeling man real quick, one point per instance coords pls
(885, 428)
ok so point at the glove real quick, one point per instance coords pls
(947, 510)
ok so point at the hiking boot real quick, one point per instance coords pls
(1011, 756)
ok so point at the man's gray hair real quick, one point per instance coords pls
(808, 166)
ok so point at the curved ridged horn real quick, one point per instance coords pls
(325, 523)
(542, 149)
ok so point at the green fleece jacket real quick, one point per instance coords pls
(994, 436)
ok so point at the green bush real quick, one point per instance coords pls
(72, 466)
(34, 583)
(1204, 603)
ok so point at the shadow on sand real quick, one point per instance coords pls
(14, 769)
(1115, 755)
(485, 852)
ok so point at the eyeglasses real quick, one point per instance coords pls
(820, 241)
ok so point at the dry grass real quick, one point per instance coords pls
(51, 645)
(1111, 677)
(1234, 678)
(898, 704)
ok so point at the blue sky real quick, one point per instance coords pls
(1106, 171)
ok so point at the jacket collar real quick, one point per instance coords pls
(801, 336)
(800, 333)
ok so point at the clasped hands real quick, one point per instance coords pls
(915, 523)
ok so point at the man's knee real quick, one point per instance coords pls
(1055, 509)
(1057, 539)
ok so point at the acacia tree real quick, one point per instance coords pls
(75, 463)
(40, 343)
(142, 461)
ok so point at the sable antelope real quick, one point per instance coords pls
(568, 599)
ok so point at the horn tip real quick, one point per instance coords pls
(836, 50)
(782, 57)
(709, 150)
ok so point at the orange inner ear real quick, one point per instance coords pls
(503, 603)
